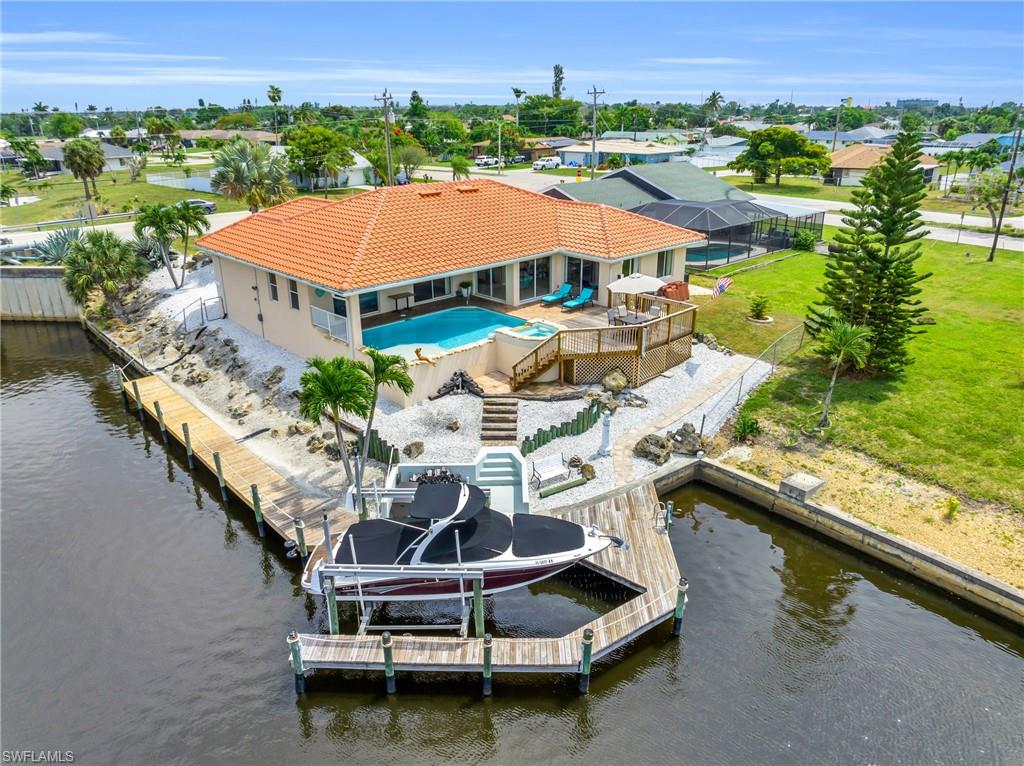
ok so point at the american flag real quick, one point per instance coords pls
(721, 286)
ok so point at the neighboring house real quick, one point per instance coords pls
(753, 125)
(95, 133)
(136, 134)
(116, 157)
(354, 175)
(673, 137)
(532, 148)
(967, 142)
(189, 137)
(826, 137)
(310, 274)
(632, 152)
(872, 133)
(735, 224)
(851, 164)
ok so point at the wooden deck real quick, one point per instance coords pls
(281, 502)
(648, 567)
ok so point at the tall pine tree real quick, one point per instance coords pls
(871, 279)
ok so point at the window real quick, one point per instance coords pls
(338, 304)
(580, 273)
(534, 278)
(272, 281)
(628, 266)
(431, 289)
(293, 294)
(491, 282)
(665, 263)
(369, 303)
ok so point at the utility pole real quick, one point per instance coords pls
(839, 112)
(593, 133)
(1006, 194)
(385, 98)
(501, 160)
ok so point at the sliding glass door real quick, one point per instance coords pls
(580, 273)
(491, 282)
(534, 278)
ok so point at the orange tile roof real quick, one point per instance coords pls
(405, 232)
(863, 156)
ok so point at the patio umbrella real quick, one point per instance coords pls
(635, 284)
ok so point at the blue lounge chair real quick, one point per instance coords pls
(585, 297)
(558, 295)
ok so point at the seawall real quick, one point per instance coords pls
(35, 294)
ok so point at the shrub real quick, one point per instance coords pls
(804, 240)
(952, 508)
(746, 428)
(759, 307)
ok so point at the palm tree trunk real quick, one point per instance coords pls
(94, 190)
(184, 259)
(341, 446)
(361, 467)
(85, 184)
(166, 253)
(824, 421)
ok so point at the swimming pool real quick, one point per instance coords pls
(714, 252)
(445, 330)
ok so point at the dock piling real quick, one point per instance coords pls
(478, 607)
(389, 661)
(488, 650)
(300, 674)
(669, 508)
(588, 648)
(677, 623)
(300, 539)
(220, 477)
(160, 421)
(188, 446)
(332, 606)
(138, 400)
(261, 525)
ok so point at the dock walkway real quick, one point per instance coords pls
(649, 567)
(281, 502)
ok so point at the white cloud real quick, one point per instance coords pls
(49, 38)
(111, 56)
(704, 61)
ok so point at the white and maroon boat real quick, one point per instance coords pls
(448, 537)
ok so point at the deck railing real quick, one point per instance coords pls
(637, 339)
(335, 324)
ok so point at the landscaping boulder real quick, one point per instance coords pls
(275, 377)
(413, 450)
(332, 452)
(588, 472)
(710, 341)
(300, 428)
(315, 443)
(685, 441)
(453, 425)
(615, 381)
(575, 462)
(240, 410)
(197, 377)
(609, 403)
(654, 447)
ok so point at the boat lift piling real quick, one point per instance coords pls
(677, 622)
(387, 643)
(488, 654)
(188, 446)
(160, 421)
(295, 646)
(587, 648)
(220, 477)
(260, 524)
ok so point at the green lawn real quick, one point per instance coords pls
(954, 418)
(569, 172)
(809, 188)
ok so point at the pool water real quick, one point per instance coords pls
(445, 330)
(714, 253)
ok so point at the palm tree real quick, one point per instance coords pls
(248, 172)
(101, 261)
(383, 370)
(955, 158)
(712, 106)
(841, 342)
(40, 108)
(518, 93)
(85, 160)
(189, 220)
(460, 167)
(159, 222)
(274, 97)
(334, 386)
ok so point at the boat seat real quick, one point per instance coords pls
(543, 535)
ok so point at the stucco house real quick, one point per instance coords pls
(851, 164)
(114, 157)
(310, 275)
(632, 152)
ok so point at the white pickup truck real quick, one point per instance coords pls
(484, 161)
(547, 163)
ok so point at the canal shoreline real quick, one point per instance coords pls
(951, 576)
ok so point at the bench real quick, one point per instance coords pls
(549, 468)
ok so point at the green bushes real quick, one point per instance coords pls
(759, 307)
(804, 239)
(746, 428)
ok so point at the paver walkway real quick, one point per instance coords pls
(622, 449)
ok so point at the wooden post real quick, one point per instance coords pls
(669, 507)
(138, 400)
(300, 539)
(160, 421)
(677, 623)
(330, 595)
(220, 477)
(478, 607)
(188, 446)
(260, 524)
(300, 674)
(488, 649)
(588, 648)
(389, 661)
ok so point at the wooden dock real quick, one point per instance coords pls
(649, 567)
(281, 502)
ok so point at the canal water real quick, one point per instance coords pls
(143, 622)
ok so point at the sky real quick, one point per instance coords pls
(140, 54)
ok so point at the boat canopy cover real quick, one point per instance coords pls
(439, 501)
(379, 541)
(486, 535)
(543, 535)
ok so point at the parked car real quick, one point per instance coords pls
(484, 161)
(547, 163)
(205, 204)
(517, 159)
